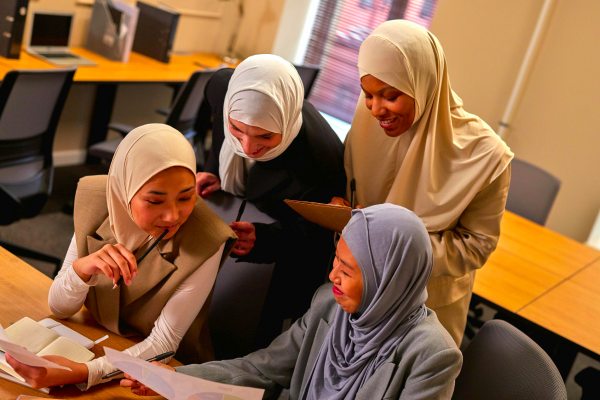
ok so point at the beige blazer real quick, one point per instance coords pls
(134, 309)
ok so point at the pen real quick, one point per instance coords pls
(139, 260)
(352, 190)
(155, 358)
(241, 211)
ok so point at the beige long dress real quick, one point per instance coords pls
(450, 168)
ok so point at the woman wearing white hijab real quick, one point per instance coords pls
(367, 336)
(268, 145)
(412, 144)
(149, 189)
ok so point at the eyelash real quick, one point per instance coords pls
(369, 97)
(160, 202)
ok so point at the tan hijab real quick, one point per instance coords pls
(143, 153)
(446, 157)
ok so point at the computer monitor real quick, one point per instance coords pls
(50, 29)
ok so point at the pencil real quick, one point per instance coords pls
(241, 211)
(352, 190)
(139, 260)
(155, 358)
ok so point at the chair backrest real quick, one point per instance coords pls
(308, 74)
(532, 191)
(31, 102)
(502, 363)
(187, 103)
(240, 290)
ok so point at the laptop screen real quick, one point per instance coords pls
(50, 30)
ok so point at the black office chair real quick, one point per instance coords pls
(31, 102)
(532, 191)
(308, 74)
(502, 363)
(182, 116)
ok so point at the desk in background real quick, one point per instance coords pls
(546, 279)
(108, 74)
(24, 293)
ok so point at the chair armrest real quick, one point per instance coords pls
(163, 111)
(123, 129)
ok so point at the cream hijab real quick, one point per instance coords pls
(264, 91)
(445, 158)
(144, 152)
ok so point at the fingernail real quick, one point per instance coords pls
(134, 274)
(114, 286)
(128, 282)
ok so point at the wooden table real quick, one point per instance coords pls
(24, 293)
(547, 279)
(107, 75)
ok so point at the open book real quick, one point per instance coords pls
(329, 216)
(42, 342)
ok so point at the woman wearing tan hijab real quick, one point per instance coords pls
(150, 188)
(412, 144)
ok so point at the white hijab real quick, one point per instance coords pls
(445, 158)
(264, 91)
(143, 153)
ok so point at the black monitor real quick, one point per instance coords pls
(50, 30)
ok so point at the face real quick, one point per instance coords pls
(165, 201)
(394, 109)
(254, 140)
(347, 279)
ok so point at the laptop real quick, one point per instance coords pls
(49, 39)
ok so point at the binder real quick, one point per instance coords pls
(112, 29)
(12, 26)
(155, 31)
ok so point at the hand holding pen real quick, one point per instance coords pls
(245, 231)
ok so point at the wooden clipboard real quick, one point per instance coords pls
(329, 216)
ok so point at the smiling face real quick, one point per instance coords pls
(254, 140)
(165, 201)
(394, 109)
(347, 278)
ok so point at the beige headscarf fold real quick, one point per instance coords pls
(144, 152)
(446, 157)
(264, 91)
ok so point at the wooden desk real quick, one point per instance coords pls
(24, 293)
(529, 261)
(108, 74)
(547, 279)
(572, 309)
(139, 69)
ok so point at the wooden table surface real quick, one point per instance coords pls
(139, 68)
(546, 278)
(24, 293)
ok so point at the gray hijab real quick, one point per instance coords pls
(392, 247)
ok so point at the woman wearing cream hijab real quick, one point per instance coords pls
(150, 188)
(268, 145)
(412, 144)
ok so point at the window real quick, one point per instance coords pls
(339, 29)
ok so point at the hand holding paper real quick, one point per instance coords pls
(23, 355)
(175, 386)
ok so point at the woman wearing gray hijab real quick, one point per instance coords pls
(366, 336)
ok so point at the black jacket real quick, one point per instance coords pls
(311, 169)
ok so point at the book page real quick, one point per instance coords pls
(30, 334)
(177, 386)
(68, 349)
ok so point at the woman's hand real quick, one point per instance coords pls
(39, 377)
(246, 233)
(338, 201)
(139, 388)
(206, 183)
(112, 261)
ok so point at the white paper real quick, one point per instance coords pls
(176, 386)
(23, 355)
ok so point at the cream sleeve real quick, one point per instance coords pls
(468, 245)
